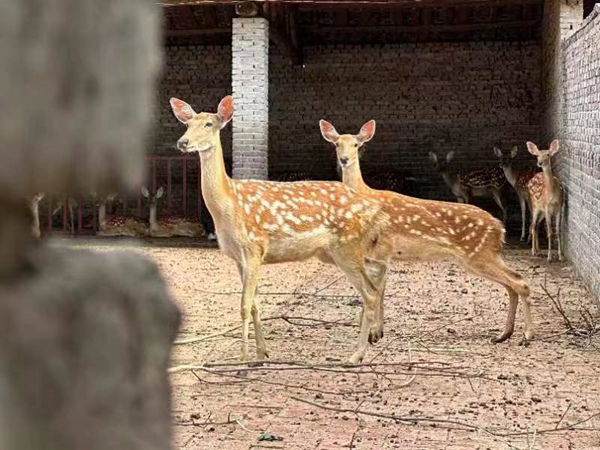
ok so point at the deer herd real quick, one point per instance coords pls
(350, 224)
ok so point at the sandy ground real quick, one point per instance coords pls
(436, 315)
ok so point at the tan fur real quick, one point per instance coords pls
(433, 230)
(518, 179)
(266, 222)
(120, 225)
(546, 194)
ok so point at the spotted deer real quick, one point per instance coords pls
(518, 179)
(268, 222)
(120, 225)
(467, 184)
(435, 230)
(35, 211)
(169, 226)
(546, 194)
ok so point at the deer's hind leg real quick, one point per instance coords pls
(377, 272)
(353, 267)
(494, 268)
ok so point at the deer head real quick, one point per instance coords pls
(153, 198)
(506, 159)
(203, 128)
(348, 147)
(441, 165)
(544, 157)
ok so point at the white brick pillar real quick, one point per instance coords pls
(250, 82)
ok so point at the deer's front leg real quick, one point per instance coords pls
(523, 204)
(249, 273)
(377, 272)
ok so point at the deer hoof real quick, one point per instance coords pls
(503, 337)
(525, 342)
(355, 359)
(375, 335)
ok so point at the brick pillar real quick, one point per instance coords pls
(250, 80)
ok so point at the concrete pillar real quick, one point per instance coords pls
(250, 80)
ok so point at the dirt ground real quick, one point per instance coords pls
(504, 396)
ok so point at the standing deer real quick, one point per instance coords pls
(267, 222)
(434, 230)
(518, 180)
(546, 194)
(465, 185)
(170, 225)
(119, 225)
(35, 211)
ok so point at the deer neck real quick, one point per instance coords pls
(102, 215)
(549, 180)
(511, 175)
(152, 219)
(216, 190)
(352, 176)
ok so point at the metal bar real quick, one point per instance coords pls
(153, 175)
(169, 187)
(79, 218)
(95, 217)
(49, 213)
(185, 188)
(65, 208)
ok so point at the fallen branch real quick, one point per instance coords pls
(463, 425)
(292, 320)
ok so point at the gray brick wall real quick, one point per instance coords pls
(575, 119)
(451, 96)
(250, 85)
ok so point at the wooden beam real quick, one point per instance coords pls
(197, 31)
(421, 28)
(328, 5)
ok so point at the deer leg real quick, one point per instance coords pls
(548, 217)
(535, 217)
(493, 268)
(558, 229)
(498, 199)
(357, 275)
(523, 205)
(249, 274)
(377, 271)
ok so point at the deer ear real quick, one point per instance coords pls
(366, 132)
(450, 156)
(554, 147)
(533, 149)
(225, 110)
(514, 151)
(328, 131)
(182, 110)
(160, 192)
(433, 157)
(145, 192)
(497, 152)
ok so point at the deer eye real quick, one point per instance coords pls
(208, 124)
(356, 145)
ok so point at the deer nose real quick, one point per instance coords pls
(182, 144)
(343, 161)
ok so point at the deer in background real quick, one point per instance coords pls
(467, 184)
(119, 225)
(546, 196)
(35, 211)
(518, 179)
(434, 230)
(267, 222)
(170, 225)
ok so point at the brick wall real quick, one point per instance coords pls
(464, 97)
(575, 120)
(250, 87)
